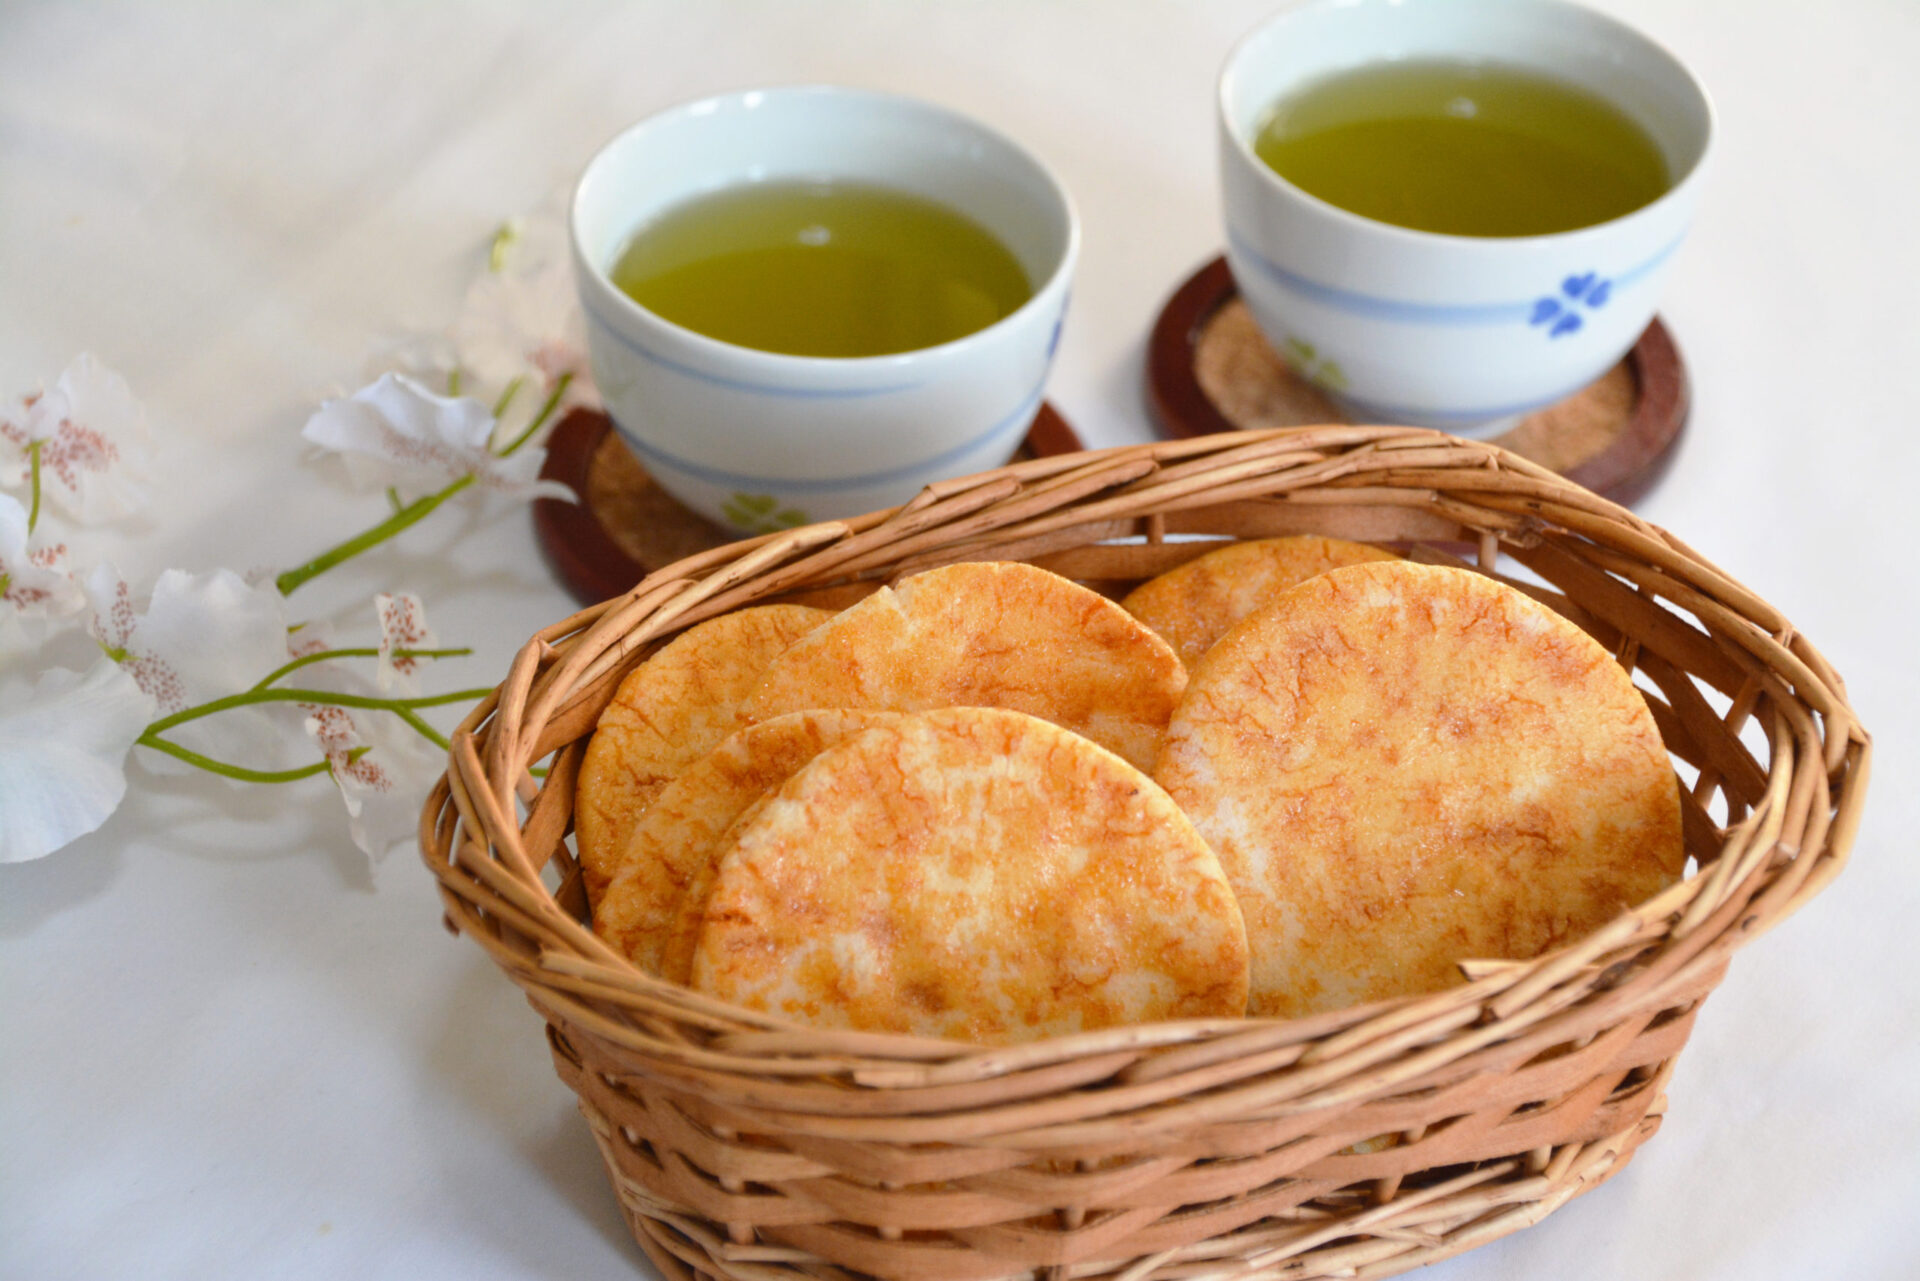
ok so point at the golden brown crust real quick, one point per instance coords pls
(651, 911)
(1194, 604)
(988, 635)
(668, 713)
(977, 874)
(1403, 766)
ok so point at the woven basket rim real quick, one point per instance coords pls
(489, 829)
(774, 548)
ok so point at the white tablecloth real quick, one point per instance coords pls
(227, 1049)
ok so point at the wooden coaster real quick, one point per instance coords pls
(1210, 369)
(625, 526)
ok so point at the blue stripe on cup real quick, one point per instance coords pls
(1417, 313)
(1019, 417)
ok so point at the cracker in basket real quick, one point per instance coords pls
(988, 635)
(1194, 604)
(1403, 766)
(668, 713)
(977, 874)
(651, 911)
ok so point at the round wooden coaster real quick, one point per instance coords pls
(1210, 369)
(625, 526)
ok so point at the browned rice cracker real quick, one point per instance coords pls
(988, 634)
(1194, 604)
(668, 713)
(1403, 766)
(651, 912)
(975, 874)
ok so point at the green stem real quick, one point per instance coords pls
(426, 731)
(358, 651)
(318, 697)
(506, 397)
(539, 419)
(33, 470)
(240, 772)
(412, 514)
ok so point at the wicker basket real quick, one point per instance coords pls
(1358, 1143)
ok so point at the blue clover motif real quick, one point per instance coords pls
(1589, 290)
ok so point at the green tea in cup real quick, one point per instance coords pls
(1463, 148)
(816, 268)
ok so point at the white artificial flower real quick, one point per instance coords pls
(526, 325)
(34, 581)
(63, 748)
(403, 625)
(385, 786)
(309, 638)
(14, 640)
(203, 637)
(394, 432)
(92, 436)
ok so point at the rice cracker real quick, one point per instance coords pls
(976, 874)
(1402, 766)
(1194, 604)
(668, 713)
(988, 634)
(651, 911)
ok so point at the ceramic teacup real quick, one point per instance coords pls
(760, 440)
(1458, 332)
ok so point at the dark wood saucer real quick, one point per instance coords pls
(625, 526)
(1210, 369)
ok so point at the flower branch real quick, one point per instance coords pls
(240, 773)
(196, 672)
(359, 651)
(314, 698)
(404, 518)
(410, 514)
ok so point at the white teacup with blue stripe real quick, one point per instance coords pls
(1458, 332)
(761, 440)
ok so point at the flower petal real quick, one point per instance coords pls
(396, 432)
(93, 442)
(204, 636)
(403, 625)
(382, 788)
(526, 325)
(63, 749)
(34, 582)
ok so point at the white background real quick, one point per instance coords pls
(226, 1049)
